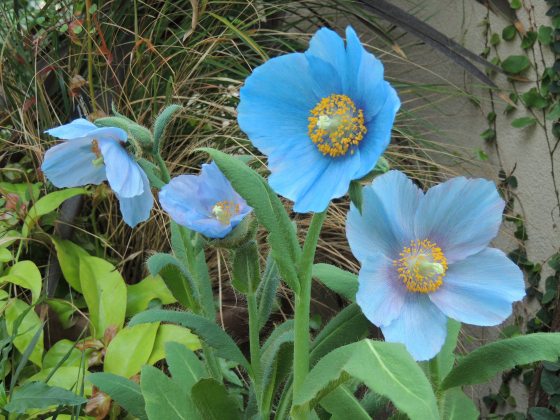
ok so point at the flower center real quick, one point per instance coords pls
(98, 161)
(223, 211)
(336, 126)
(422, 266)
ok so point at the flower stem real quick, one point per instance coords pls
(163, 168)
(302, 306)
(254, 343)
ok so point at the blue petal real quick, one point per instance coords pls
(113, 133)
(70, 164)
(178, 199)
(75, 130)
(378, 134)
(137, 209)
(421, 327)
(213, 187)
(328, 46)
(387, 220)
(461, 216)
(480, 289)
(123, 173)
(381, 295)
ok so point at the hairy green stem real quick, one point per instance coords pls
(254, 344)
(302, 306)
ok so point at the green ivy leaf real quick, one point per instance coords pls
(515, 4)
(509, 32)
(488, 135)
(523, 122)
(515, 64)
(545, 35)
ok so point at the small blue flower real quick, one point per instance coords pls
(206, 203)
(425, 257)
(322, 117)
(91, 155)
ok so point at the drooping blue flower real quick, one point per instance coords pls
(425, 257)
(323, 118)
(91, 155)
(205, 203)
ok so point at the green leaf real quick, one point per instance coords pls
(176, 277)
(386, 368)
(269, 210)
(5, 255)
(457, 406)
(38, 395)
(533, 99)
(64, 309)
(105, 294)
(486, 361)
(47, 204)
(164, 399)
(266, 293)
(488, 135)
(138, 132)
(185, 367)
(172, 333)
(281, 336)
(542, 413)
(523, 122)
(125, 392)
(515, 4)
(26, 330)
(342, 404)
(66, 377)
(246, 270)
(130, 349)
(69, 255)
(25, 274)
(337, 279)
(554, 113)
(355, 193)
(545, 35)
(348, 326)
(60, 350)
(161, 123)
(446, 357)
(139, 295)
(205, 329)
(509, 32)
(214, 402)
(515, 64)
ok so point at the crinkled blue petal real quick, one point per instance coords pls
(328, 46)
(70, 164)
(77, 129)
(461, 216)
(137, 209)
(386, 224)
(113, 133)
(480, 289)
(178, 199)
(421, 327)
(381, 295)
(378, 134)
(123, 173)
(213, 187)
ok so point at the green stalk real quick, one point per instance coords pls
(254, 344)
(302, 306)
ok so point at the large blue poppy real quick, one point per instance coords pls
(91, 155)
(205, 203)
(425, 257)
(322, 117)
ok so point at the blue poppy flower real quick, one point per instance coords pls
(323, 118)
(91, 155)
(425, 257)
(205, 203)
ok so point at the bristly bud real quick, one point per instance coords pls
(244, 232)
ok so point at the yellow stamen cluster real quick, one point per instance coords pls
(422, 266)
(225, 210)
(336, 126)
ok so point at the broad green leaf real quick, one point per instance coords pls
(69, 255)
(205, 329)
(213, 401)
(164, 399)
(37, 395)
(172, 333)
(342, 404)
(457, 406)
(246, 270)
(185, 367)
(105, 294)
(338, 280)
(47, 204)
(483, 363)
(386, 368)
(26, 330)
(60, 350)
(515, 64)
(125, 392)
(348, 326)
(5, 255)
(130, 349)
(140, 295)
(446, 357)
(266, 293)
(269, 210)
(25, 274)
(25, 191)
(66, 377)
